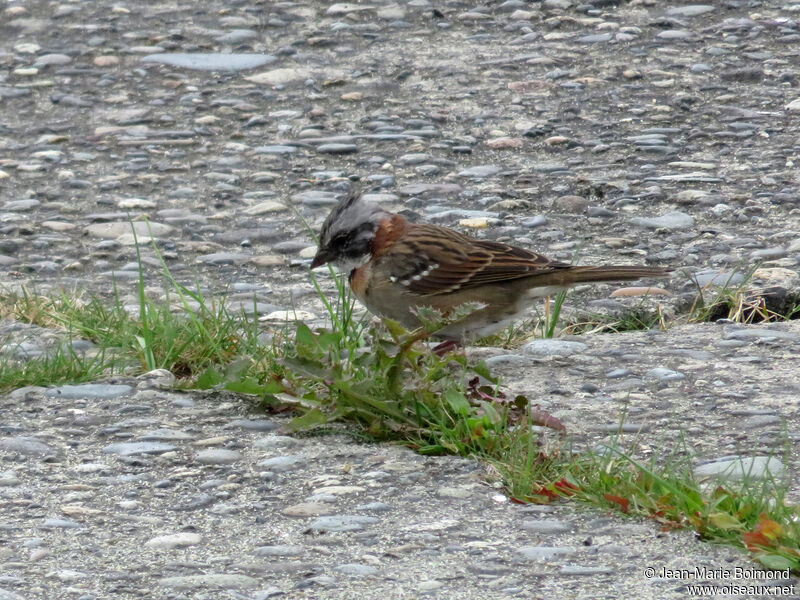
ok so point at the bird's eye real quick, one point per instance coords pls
(341, 241)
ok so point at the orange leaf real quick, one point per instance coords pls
(622, 502)
(755, 540)
(545, 493)
(769, 528)
(565, 488)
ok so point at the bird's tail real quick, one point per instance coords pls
(574, 275)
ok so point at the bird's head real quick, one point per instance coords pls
(347, 233)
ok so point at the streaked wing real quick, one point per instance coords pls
(435, 260)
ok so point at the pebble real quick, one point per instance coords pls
(137, 448)
(214, 581)
(714, 277)
(217, 456)
(356, 570)
(175, 540)
(480, 172)
(672, 220)
(281, 464)
(546, 526)
(553, 348)
(742, 468)
(211, 61)
(544, 553)
(27, 446)
(663, 374)
(93, 391)
(757, 333)
(340, 523)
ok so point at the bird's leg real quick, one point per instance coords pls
(545, 419)
(448, 346)
(547, 310)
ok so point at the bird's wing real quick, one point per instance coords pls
(431, 260)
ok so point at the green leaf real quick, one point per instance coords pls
(209, 378)
(366, 401)
(457, 402)
(309, 420)
(395, 329)
(329, 339)
(724, 521)
(482, 370)
(307, 367)
(304, 336)
(776, 562)
(237, 366)
(491, 414)
(249, 385)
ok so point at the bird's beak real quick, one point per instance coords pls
(321, 258)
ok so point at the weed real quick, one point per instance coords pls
(750, 514)
(385, 382)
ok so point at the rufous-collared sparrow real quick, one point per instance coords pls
(396, 266)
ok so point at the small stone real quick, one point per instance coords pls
(61, 524)
(105, 61)
(144, 230)
(340, 523)
(280, 550)
(357, 570)
(480, 172)
(574, 570)
(275, 149)
(546, 526)
(275, 441)
(175, 540)
(281, 464)
(137, 448)
(337, 148)
(211, 61)
(554, 348)
(671, 220)
(27, 446)
(640, 291)
(757, 333)
(718, 278)
(344, 8)
(255, 425)
(690, 10)
(307, 509)
(477, 223)
(663, 374)
(214, 581)
(742, 468)
(89, 391)
(281, 76)
(502, 143)
(544, 553)
(217, 456)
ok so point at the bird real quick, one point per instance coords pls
(396, 267)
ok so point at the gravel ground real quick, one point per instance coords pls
(638, 132)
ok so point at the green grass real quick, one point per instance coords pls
(384, 383)
(751, 514)
(739, 302)
(58, 365)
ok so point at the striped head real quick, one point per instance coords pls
(348, 232)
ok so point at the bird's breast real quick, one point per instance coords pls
(359, 278)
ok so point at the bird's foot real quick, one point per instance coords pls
(545, 419)
(442, 349)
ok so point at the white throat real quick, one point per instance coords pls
(348, 264)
